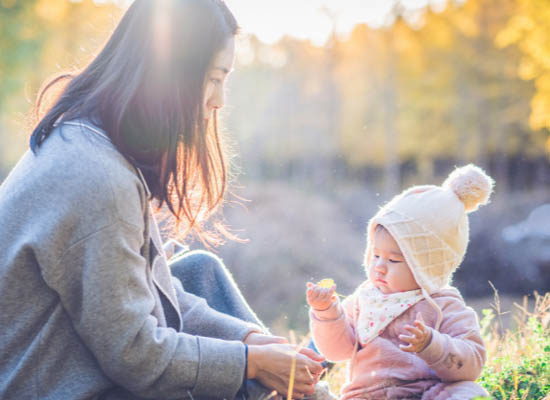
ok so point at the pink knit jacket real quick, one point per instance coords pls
(381, 370)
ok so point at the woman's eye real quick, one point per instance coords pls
(216, 81)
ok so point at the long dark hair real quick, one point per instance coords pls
(145, 90)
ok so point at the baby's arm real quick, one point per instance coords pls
(332, 329)
(456, 352)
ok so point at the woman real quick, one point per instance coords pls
(90, 309)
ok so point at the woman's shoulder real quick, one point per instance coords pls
(76, 171)
(102, 173)
(88, 150)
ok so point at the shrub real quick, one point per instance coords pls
(518, 365)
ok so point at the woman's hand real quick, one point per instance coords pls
(320, 298)
(421, 336)
(271, 365)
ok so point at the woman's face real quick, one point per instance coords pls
(215, 79)
(389, 271)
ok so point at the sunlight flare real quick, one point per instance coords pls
(162, 30)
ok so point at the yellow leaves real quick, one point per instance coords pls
(7, 3)
(537, 47)
(465, 23)
(439, 32)
(326, 283)
(540, 104)
(52, 10)
(543, 83)
(527, 69)
(514, 30)
(407, 43)
(529, 29)
(531, 32)
(467, 26)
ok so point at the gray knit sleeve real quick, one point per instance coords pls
(102, 283)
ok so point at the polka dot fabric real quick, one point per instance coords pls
(378, 310)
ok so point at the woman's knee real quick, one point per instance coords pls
(197, 262)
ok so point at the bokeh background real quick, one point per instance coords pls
(335, 106)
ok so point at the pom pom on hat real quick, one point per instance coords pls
(471, 185)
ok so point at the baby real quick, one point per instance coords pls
(405, 331)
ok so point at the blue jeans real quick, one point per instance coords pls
(204, 274)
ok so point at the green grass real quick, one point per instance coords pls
(518, 359)
(518, 365)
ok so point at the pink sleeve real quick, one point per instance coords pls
(456, 352)
(333, 331)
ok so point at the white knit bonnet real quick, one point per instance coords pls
(430, 225)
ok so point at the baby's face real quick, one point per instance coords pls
(388, 270)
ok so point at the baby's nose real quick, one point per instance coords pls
(380, 267)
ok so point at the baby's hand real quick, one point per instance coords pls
(421, 336)
(320, 298)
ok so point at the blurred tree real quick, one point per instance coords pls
(52, 34)
(528, 27)
(485, 90)
(459, 98)
(387, 105)
(19, 45)
(40, 38)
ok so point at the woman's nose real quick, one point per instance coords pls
(218, 98)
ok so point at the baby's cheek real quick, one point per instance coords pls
(370, 272)
(406, 281)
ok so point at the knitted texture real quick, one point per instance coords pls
(430, 225)
(472, 186)
(431, 259)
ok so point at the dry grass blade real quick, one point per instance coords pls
(498, 310)
(292, 337)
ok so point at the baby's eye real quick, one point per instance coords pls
(395, 261)
(376, 256)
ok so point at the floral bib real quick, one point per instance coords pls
(377, 310)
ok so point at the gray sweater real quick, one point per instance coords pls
(82, 271)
